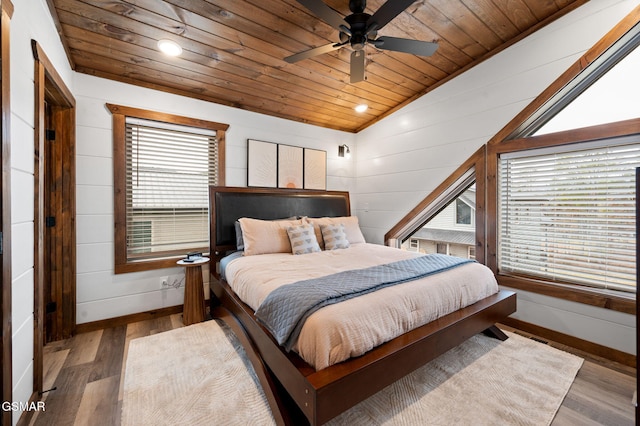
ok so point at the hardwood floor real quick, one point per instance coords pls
(85, 373)
(601, 394)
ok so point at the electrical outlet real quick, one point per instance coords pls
(176, 281)
(164, 282)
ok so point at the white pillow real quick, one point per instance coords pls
(303, 239)
(334, 237)
(265, 236)
(351, 227)
(238, 228)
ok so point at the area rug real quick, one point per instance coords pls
(199, 375)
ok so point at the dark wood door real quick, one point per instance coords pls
(53, 247)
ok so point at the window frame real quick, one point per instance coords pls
(122, 264)
(471, 252)
(440, 246)
(611, 299)
(552, 207)
(472, 170)
(458, 203)
(532, 117)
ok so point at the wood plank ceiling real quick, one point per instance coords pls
(233, 50)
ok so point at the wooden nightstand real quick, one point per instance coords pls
(194, 307)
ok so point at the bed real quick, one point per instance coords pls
(303, 389)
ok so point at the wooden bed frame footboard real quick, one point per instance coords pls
(324, 394)
(296, 393)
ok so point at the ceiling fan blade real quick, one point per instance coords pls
(387, 12)
(357, 66)
(313, 52)
(415, 47)
(325, 13)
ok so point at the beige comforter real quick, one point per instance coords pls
(350, 328)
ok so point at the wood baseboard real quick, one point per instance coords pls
(127, 319)
(590, 348)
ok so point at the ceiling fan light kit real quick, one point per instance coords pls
(360, 29)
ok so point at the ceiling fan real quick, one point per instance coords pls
(360, 29)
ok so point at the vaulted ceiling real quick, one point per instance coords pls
(233, 51)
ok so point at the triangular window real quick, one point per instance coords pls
(615, 96)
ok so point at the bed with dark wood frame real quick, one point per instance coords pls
(296, 393)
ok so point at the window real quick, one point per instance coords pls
(597, 94)
(442, 248)
(169, 170)
(471, 253)
(569, 216)
(434, 222)
(594, 105)
(444, 233)
(557, 122)
(463, 212)
(163, 167)
(142, 229)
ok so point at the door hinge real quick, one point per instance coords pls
(50, 135)
(50, 221)
(51, 307)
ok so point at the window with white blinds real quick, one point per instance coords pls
(168, 171)
(570, 216)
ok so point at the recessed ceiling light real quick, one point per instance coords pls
(361, 107)
(169, 47)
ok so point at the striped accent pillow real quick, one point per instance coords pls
(334, 237)
(303, 239)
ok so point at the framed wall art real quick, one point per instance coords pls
(290, 166)
(315, 169)
(262, 163)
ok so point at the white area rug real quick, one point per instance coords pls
(190, 376)
(196, 375)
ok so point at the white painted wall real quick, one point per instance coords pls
(31, 20)
(101, 293)
(402, 158)
(603, 326)
(433, 135)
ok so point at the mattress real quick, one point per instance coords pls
(350, 328)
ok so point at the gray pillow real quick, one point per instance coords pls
(334, 237)
(239, 240)
(303, 239)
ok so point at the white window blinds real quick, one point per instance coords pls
(169, 169)
(570, 216)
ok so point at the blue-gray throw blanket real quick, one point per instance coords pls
(285, 309)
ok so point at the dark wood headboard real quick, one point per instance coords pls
(228, 204)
